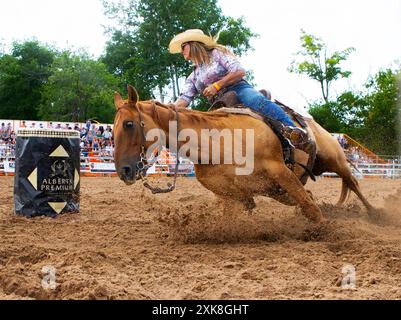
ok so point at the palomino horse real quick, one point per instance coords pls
(134, 120)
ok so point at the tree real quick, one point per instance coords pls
(318, 65)
(78, 89)
(370, 116)
(138, 49)
(381, 130)
(327, 115)
(345, 115)
(23, 73)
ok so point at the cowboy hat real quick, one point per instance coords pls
(190, 35)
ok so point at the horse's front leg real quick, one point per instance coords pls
(289, 182)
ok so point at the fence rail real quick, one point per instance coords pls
(376, 170)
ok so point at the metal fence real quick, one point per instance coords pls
(371, 169)
(388, 170)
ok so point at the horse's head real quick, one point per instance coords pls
(128, 136)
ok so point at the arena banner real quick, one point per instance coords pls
(47, 172)
(103, 167)
(9, 166)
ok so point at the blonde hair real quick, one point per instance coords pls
(200, 53)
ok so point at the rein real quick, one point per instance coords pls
(143, 165)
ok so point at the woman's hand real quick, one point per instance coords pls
(210, 91)
(230, 79)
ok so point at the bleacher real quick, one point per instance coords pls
(365, 162)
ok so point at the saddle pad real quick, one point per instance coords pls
(240, 110)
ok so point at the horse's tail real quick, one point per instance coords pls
(348, 181)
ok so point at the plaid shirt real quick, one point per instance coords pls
(204, 75)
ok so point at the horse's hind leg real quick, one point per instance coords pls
(344, 193)
(289, 182)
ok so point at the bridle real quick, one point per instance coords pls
(143, 165)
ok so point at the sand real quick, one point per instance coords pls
(129, 244)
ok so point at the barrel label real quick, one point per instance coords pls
(47, 178)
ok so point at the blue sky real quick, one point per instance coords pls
(372, 27)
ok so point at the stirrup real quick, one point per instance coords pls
(297, 136)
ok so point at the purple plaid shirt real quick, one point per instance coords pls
(204, 75)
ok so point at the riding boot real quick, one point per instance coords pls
(299, 138)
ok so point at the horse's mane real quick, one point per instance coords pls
(188, 112)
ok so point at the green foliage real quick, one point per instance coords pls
(369, 116)
(38, 82)
(78, 89)
(23, 73)
(382, 129)
(326, 115)
(318, 65)
(344, 115)
(138, 50)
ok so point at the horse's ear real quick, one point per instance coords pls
(117, 100)
(132, 94)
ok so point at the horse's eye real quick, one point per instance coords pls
(129, 124)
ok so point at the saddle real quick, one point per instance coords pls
(229, 99)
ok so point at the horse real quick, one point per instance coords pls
(270, 176)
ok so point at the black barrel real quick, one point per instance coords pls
(47, 168)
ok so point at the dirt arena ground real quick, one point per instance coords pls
(128, 244)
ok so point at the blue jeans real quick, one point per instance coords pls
(253, 99)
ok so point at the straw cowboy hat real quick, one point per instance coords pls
(190, 35)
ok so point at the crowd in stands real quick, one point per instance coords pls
(96, 140)
(354, 153)
(7, 141)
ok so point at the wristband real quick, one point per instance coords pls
(218, 88)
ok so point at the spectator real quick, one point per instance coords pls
(95, 144)
(85, 148)
(84, 132)
(107, 133)
(99, 134)
(89, 137)
(13, 137)
(4, 134)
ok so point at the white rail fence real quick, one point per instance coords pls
(374, 170)
(388, 170)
